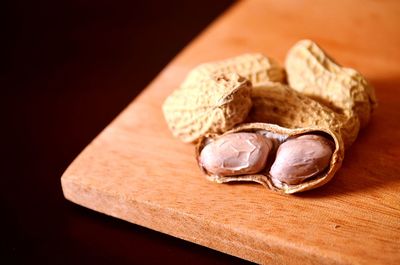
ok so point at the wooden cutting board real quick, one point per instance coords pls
(135, 170)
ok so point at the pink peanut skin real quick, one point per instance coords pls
(301, 158)
(236, 154)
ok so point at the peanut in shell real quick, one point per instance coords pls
(313, 73)
(280, 135)
(215, 104)
(256, 67)
(279, 104)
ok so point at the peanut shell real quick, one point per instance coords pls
(279, 134)
(215, 104)
(254, 66)
(313, 73)
(279, 104)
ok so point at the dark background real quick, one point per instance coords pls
(67, 69)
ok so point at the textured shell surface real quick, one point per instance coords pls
(278, 134)
(279, 104)
(213, 105)
(256, 67)
(312, 72)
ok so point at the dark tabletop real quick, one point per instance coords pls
(68, 68)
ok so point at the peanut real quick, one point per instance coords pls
(301, 158)
(313, 73)
(214, 105)
(236, 154)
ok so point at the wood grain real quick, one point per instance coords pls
(135, 170)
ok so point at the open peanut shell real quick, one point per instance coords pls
(279, 135)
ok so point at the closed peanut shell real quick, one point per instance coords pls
(313, 73)
(279, 104)
(256, 67)
(213, 105)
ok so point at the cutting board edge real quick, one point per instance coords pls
(227, 240)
